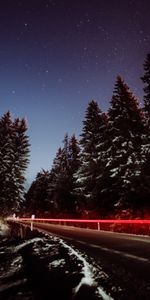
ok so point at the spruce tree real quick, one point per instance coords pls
(7, 135)
(102, 178)
(60, 172)
(74, 155)
(37, 195)
(14, 149)
(124, 152)
(74, 163)
(21, 158)
(146, 81)
(143, 188)
(86, 176)
(61, 177)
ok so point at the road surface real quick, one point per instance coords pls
(123, 250)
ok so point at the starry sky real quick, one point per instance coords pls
(57, 55)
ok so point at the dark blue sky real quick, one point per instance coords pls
(55, 56)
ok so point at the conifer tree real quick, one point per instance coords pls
(146, 81)
(6, 159)
(21, 156)
(61, 177)
(142, 183)
(74, 155)
(14, 149)
(124, 154)
(86, 176)
(58, 175)
(37, 195)
(102, 176)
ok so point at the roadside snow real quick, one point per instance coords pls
(4, 229)
(56, 263)
(104, 295)
(88, 277)
(27, 243)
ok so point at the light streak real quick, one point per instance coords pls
(102, 221)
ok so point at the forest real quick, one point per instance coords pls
(106, 172)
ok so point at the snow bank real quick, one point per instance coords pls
(88, 276)
(4, 228)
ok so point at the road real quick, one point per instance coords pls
(123, 250)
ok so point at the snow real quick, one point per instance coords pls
(12, 285)
(104, 295)
(47, 245)
(79, 180)
(88, 277)
(95, 160)
(129, 160)
(114, 171)
(88, 196)
(137, 173)
(3, 228)
(108, 163)
(57, 263)
(26, 243)
(124, 144)
(117, 138)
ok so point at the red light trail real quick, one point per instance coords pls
(107, 221)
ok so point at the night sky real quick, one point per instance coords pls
(56, 56)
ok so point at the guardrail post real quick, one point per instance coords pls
(14, 216)
(32, 217)
(99, 227)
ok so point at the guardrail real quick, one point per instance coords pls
(97, 223)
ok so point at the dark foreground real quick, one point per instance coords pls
(40, 267)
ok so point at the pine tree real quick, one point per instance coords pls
(6, 157)
(146, 81)
(37, 195)
(14, 149)
(86, 176)
(102, 177)
(62, 182)
(74, 155)
(74, 163)
(58, 174)
(30, 199)
(143, 188)
(21, 157)
(124, 152)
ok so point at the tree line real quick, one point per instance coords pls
(105, 172)
(108, 169)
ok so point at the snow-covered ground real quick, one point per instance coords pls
(88, 274)
(4, 228)
(43, 264)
